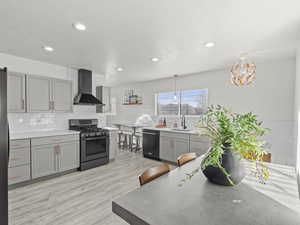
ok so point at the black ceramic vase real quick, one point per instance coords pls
(232, 164)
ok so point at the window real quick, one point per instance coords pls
(166, 104)
(188, 102)
(193, 102)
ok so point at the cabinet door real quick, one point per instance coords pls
(62, 96)
(167, 149)
(16, 92)
(181, 147)
(103, 94)
(68, 156)
(113, 144)
(106, 100)
(199, 147)
(38, 94)
(43, 161)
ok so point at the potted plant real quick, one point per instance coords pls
(234, 137)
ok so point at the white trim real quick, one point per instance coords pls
(179, 103)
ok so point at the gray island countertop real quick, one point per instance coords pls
(197, 202)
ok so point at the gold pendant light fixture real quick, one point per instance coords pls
(243, 72)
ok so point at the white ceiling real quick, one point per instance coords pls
(127, 33)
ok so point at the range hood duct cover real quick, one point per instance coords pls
(85, 95)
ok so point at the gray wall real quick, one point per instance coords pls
(271, 97)
(297, 113)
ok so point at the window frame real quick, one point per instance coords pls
(179, 102)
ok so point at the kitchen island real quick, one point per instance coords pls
(163, 201)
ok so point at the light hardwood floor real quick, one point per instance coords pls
(79, 198)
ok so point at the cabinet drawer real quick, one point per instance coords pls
(175, 135)
(19, 157)
(198, 138)
(22, 143)
(18, 174)
(54, 139)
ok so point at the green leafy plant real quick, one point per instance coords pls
(238, 132)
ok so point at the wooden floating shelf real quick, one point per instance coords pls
(132, 103)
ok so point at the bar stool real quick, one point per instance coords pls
(127, 140)
(153, 173)
(185, 158)
(137, 145)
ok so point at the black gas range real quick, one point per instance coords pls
(94, 143)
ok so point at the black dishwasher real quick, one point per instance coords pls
(151, 144)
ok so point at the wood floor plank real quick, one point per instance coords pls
(79, 198)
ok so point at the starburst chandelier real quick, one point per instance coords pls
(243, 72)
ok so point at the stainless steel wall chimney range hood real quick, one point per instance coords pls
(85, 94)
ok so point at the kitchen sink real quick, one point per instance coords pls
(180, 129)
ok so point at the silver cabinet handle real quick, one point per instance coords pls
(23, 104)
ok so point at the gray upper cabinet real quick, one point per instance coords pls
(16, 92)
(39, 94)
(62, 94)
(49, 95)
(104, 95)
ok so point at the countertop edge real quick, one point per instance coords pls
(40, 134)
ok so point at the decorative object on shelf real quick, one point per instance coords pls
(175, 88)
(243, 72)
(130, 98)
(234, 137)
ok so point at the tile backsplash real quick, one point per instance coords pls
(26, 122)
(191, 122)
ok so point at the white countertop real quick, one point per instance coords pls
(110, 128)
(37, 134)
(193, 131)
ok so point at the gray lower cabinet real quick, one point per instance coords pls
(19, 161)
(181, 147)
(172, 145)
(167, 148)
(54, 154)
(16, 92)
(68, 157)
(199, 144)
(113, 144)
(44, 161)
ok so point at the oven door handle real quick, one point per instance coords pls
(95, 138)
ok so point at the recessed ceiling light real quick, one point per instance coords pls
(79, 26)
(209, 44)
(154, 59)
(48, 48)
(119, 69)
